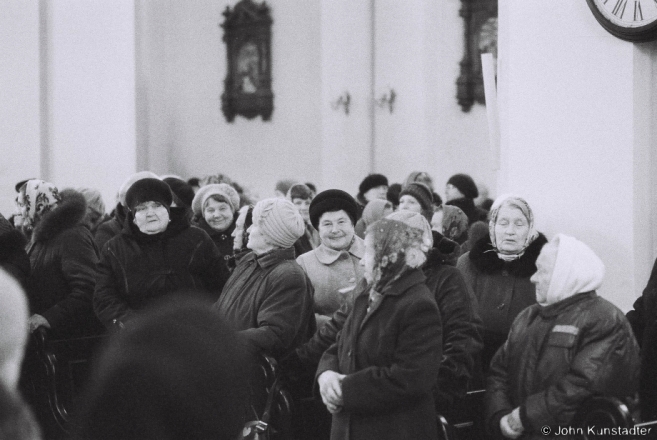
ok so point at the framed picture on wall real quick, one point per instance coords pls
(247, 87)
(480, 36)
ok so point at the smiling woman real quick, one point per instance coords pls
(499, 267)
(215, 209)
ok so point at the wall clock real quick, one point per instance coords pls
(630, 20)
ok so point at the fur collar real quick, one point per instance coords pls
(11, 242)
(486, 260)
(70, 212)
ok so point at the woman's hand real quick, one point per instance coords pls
(37, 321)
(330, 388)
(511, 425)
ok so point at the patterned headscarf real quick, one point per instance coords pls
(392, 239)
(523, 206)
(455, 224)
(35, 199)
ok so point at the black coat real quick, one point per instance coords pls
(471, 211)
(138, 269)
(558, 356)
(64, 260)
(223, 240)
(644, 325)
(390, 356)
(110, 228)
(13, 257)
(502, 288)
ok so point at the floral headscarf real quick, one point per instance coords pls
(455, 224)
(35, 199)
(392, 239)
(523, 206)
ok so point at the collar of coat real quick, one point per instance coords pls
(70, 212)
(485, 258)
(201, 223)
(270, 258)
(327, 256)
(559, 307)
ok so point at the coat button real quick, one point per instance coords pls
(349, 353)
(501, 306)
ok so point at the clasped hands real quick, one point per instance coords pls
(511, 425)
(330, 388)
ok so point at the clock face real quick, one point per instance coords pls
(632, 20)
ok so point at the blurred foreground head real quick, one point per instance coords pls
(13, 329)
(176, 372)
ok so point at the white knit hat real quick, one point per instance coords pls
(227, 192)
(279, 220)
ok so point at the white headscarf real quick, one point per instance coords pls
(577, 269)
(521, 204)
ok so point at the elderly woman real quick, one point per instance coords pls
(63, 259)
(377, 379)
(215, 209)
(570, 346)
(268, 298)
(157, 253)
(334, 267)
(417, 197)
(499, 266)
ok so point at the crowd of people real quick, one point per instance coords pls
(387, 306)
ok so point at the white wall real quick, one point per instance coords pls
(575, 133)
(181, 122)
(19, 97)
(91, 94)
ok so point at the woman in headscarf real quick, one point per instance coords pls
(570, 346)
(157, 253)
(63, 259)
(373, 212)
(215, 209)
(377, 379)
(499, 266)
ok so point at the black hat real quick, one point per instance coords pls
(333, 200)
(148, 190)
(465, 185)
(393, 193)
(372, 181)
(421, 192)
(181, 189)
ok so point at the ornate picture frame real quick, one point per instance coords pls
(247, 87)
(480, 36)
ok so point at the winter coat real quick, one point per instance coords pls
(268, 301)
(556, 357)
(13, 257)
(468, 207)
(63, 259)
(111, 228)
(330, 271)
(307, 242)
(223, 240)
(502, 288)
(644, 325)
(138, 269)
(390, 357)
(462, 330)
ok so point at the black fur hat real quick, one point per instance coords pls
(149, 190)
(333, 200)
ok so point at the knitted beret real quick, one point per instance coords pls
(279, 220)
(333, 200)
(148, 190)
(465, 185)
(421, 192)
(224, 190)
(372, 181)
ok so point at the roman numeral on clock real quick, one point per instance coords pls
(619, 8)
(638, 14)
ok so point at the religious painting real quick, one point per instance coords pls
(247, 87)
(480, 36)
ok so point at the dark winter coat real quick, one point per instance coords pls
(111, 228)
(462, 330)
(502, 288)
(468, 207)
(556, 357)
(390, 357)
(268, 300)
(644, 325)
(13, 257)
(64, 259)
(137, 269)
(223, 240)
